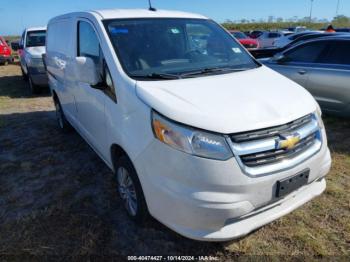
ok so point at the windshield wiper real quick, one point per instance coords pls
(205, 71)
(158, 76)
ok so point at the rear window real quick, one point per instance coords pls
(274, 35)
(256, 34)
(239, 35)
(36, 38)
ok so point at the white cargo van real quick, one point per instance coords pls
(199, 134)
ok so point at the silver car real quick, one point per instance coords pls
(267, 39)
(322, 66)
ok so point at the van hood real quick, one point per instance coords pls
(36, 51)
(229, 103)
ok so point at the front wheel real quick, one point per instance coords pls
(34, 89)
(60, 117)
(24, 75)
(130, 190)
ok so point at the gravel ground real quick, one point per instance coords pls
(58, 199)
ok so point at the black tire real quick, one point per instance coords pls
(63, 124)
(141, 215)
(24, 75)
(34, 89)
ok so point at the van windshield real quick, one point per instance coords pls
(175, 48)
(36, 38)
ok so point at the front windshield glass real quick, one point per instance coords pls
(175, 46)
(36, 38)
(239, 35)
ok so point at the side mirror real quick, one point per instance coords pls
(279, 58)
(86, 71)
(15, 46)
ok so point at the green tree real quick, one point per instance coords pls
(341, 21)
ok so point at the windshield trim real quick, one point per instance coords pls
(106, 22)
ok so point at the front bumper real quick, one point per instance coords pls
(213, 200)
(38, 75)
(246, 224)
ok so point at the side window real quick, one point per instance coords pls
(89, 46)
(307, 53)
(338, 53)
(274, 35)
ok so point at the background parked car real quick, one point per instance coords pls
(246, 41)
(15, 45)
(322, 66)
(297, 29)
(5, 52)
(266, 39)
(343, 30)
(255, 34)
(286, 39)
(32, 47)
(269, 52)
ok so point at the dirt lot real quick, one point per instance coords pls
(58, 198)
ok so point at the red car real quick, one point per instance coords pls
(5, 52)
(246, 41)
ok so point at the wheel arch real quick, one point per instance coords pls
(55, 96)
(116, 152)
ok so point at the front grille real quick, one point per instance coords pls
(271, 132)
(260, 148)
(272, 156)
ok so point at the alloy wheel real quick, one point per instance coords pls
(127, 191)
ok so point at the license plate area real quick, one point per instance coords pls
(290, 184)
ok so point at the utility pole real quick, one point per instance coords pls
(337, 12)
(311, 7)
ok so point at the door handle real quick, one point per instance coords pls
(302, 72)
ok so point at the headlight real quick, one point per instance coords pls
(35, 62)
(319, 116)
(192, 141)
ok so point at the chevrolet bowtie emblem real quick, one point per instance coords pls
(288, 142)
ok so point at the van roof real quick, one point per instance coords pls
(134, 13)
(144, 13)
(36, 28)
